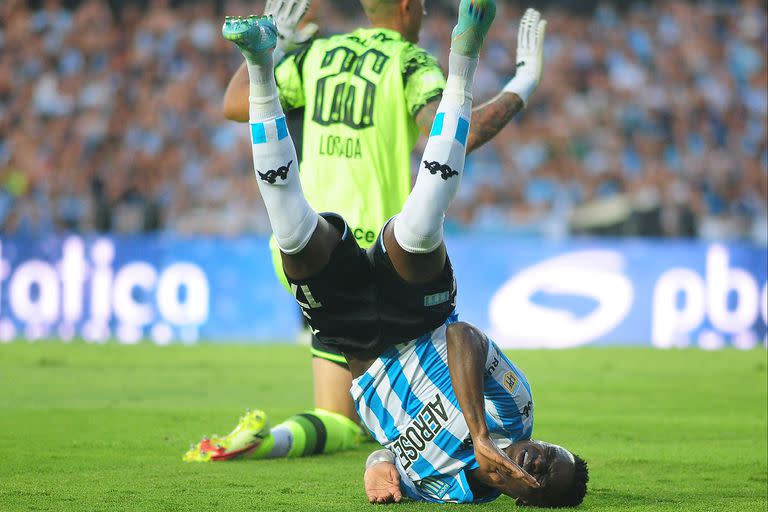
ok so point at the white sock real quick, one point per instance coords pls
(274, 159)
(283, 441)
(263, 99)
(419, 227)
(461, 75)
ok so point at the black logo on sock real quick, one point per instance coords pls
(271, 175)
(445, 171)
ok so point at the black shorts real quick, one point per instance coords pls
(359, 305)
(322, 350)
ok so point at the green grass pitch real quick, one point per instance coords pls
(91, 428)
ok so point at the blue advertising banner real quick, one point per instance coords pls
(540, 294)
(129, 288)
(523, 292)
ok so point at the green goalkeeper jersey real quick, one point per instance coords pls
(361, 92)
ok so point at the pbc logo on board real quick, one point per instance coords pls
(445, 171)
(520, 318)
(271, 175)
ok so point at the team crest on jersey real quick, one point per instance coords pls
(434, 486)
(271, 175)
(510, 381)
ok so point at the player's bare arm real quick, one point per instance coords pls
(467, 352)
(236, 96)
(382, 481)
(489, 118)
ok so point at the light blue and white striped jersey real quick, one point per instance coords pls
(407, 402)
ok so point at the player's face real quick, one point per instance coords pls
(551, 465)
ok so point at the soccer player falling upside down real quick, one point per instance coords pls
(368, 94)
(453, 414)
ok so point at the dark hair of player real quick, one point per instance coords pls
(574, 494)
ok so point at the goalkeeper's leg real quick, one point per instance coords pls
(310, 433)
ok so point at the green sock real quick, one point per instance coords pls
(310, 433)
(341, 432)
(264, 449)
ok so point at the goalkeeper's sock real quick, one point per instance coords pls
(312, 433)
(419, 227)
(341, 432)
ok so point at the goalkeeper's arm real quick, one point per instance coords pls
(489, 118)
(235, 104)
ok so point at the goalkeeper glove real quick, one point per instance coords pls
(287, 14)
(530, 55)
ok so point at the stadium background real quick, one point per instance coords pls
(627, 205)
(128, 207)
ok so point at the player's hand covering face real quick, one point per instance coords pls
(497, 469)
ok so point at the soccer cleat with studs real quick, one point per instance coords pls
(254, 35)
(475, 18)
(248, 435)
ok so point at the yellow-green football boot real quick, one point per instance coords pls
(252, 434)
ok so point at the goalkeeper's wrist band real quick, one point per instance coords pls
(382, 455)
(522, 86)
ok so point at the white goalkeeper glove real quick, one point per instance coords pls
(287, 14)
(530, 55)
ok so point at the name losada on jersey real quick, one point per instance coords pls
(420, 431)
(331, 145)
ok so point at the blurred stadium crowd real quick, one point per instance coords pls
(651, 120)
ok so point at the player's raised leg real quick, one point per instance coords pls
(414, 240)
(305, 239)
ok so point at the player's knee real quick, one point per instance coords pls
(463, 333)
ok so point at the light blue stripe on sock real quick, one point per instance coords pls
(437, 124)
(462, 129)
(258, 133)
(282, 128)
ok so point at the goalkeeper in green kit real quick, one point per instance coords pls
(367, 95)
